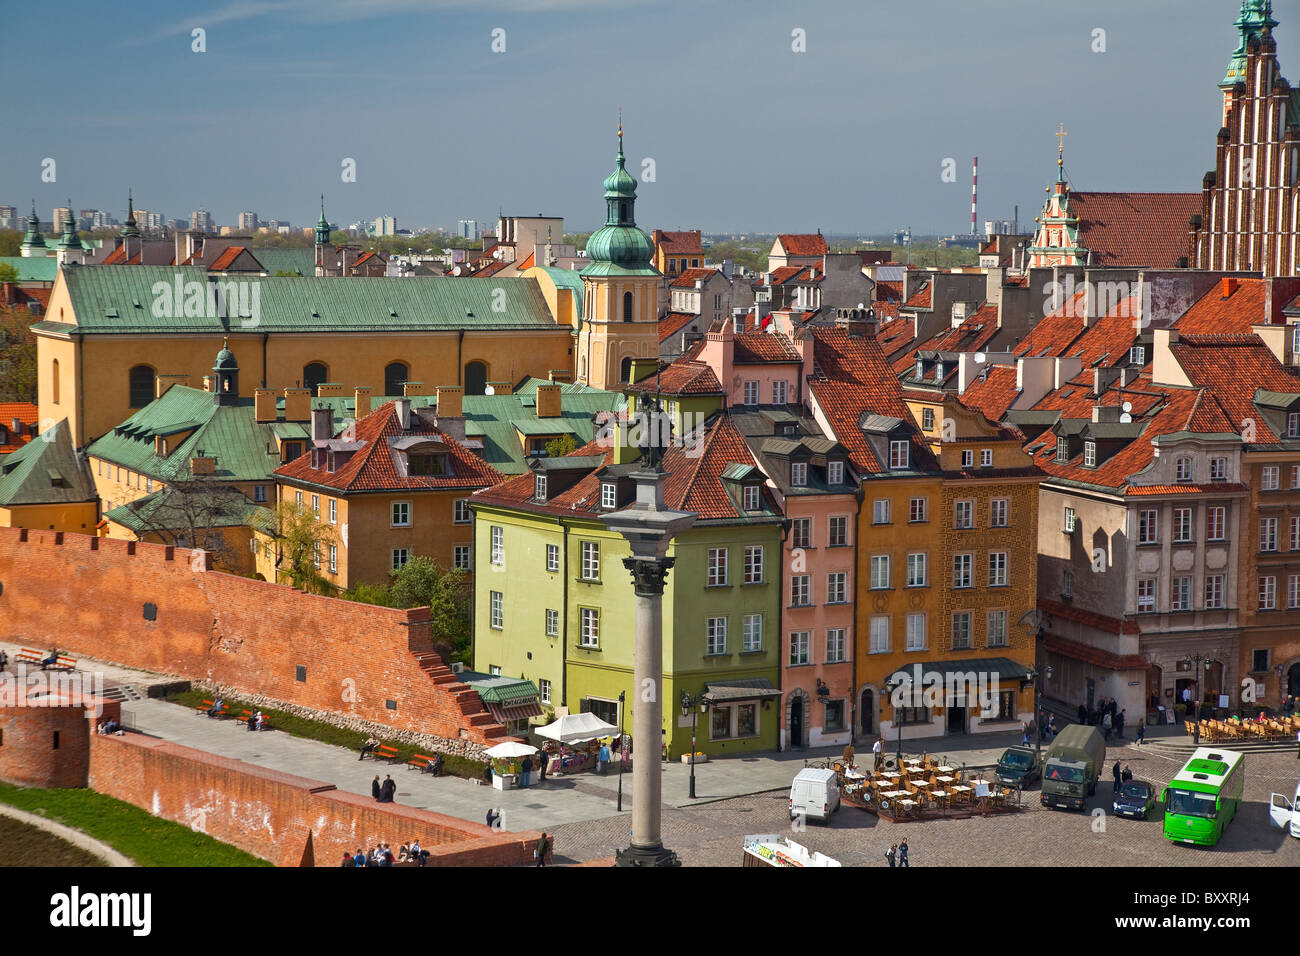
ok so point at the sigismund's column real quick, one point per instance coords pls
(649, 527)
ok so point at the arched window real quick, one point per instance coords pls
(475, 378)
(396, 374)
(141, 386)
(625, 370)
(627, 306)
(313, 374)
(54, 377)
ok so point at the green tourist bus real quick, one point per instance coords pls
(1204, 796)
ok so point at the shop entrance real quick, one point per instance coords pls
(796, 722)
(956, 720)
(868, 711)
(1293, 680)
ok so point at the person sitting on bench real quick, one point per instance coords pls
(51, 659)
(435, 765)
(261, 719)
(252, 722)
(370, 744)
(216, 708)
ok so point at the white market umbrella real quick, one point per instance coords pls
(511, 748)
(575, 728)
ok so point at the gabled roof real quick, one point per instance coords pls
(1214, 313)
(1135, 229)
(219, 507)
(687, 278)
(1234, 367)
(803, 244)
(46, 471)
(920, 299)
(762, 348)
(682, 377)
(678, 243)
(674, 322)
(26, 414)
(992, 392)
(971, 335)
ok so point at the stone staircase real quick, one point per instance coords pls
(1183, 746)
(123, 692)
(475, 715)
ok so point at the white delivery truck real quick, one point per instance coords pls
(1285, 813)
(814, 795)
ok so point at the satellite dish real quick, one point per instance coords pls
(980, 358)
(489, 390)
(1127, 406)
(1125, 418)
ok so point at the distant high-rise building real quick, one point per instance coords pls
(8, 217)
(201, 221)
(467, 229)
(248, 222)
(178, 225)
(61, 215)
(385, 226)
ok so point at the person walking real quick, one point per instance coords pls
(1024, 734)
(543, 759)
(543, 848)
(1118, 774)
(1142, 731)
(1119, 724)
(892, 856)
(527, 768)
(1051, 728)
(877, 753)
(902, 854)
(602, 759)
(1106, 725)
(1083, 714)
(387, 790)
(375, 788)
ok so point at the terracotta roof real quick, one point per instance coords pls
(490, 268)
(1056, 331)
(674, 322)
(885, 310)
(1135, 229)
(803, 244)
(115, 258)
(1101, 622)
(992, 392)
(528, 262)
(1215, 313)
(1188, 489)
(27, 415)
(226, 259)
(895, 335)
(971, 335)
(784, 273)
(678, 243)
(372, 468)
(682, 377)
(687, 278)
(761, 348)
(889, 291)
(920, 298)
(1233, 367)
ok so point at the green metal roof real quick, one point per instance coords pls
(27, 476)
(308, 304)
(167, 510)
(570, 279)
(33, 268)
(300, 261)
(502, 690)
(493, 419)
(541, 426)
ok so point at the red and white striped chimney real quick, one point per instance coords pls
(974, 183)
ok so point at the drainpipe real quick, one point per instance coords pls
(266, 336)
(860, 494)
(786, 525)
(460, 370)
(564, 616)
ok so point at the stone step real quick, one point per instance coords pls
(123, 692)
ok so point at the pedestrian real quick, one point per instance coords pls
(1127, 775)
(543, 759)
(492, 817)
(1142, 731)
(1118, 774)
(387, 790)
(4, 661)
(1114, 709)
(348, 860)
(375, 788)
(1024, 734)
(602, 758)
(543, 848)
(877, 752)
(1106, 725)
(487, 774)
(1083, 714)
(891, 855)
(1119, 724)
(902, 853)
(1051, 728)
(359, 859)
(527, 767)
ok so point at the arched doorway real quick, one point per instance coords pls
(868, 711)
(396, 375)
(475, 378)
(313, 374)
(1293, 680)
(796, 719)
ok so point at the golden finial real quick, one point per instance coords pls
(620, 122)
(1060, 141)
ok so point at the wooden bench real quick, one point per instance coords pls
(246, 714)
(207, 705)
(421, 762)
(385, 752)
(29, 655)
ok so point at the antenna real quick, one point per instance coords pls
(974, 183)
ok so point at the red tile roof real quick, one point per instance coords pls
(1233, 366)
(1215, 313)
(1135, 229)
(372, 468)
(674, 322)
(889, 290)
(27, 415)
(682, 377)
(227, 258)
(803, 244)
(920, 298)
(678, 243)
(1144, 490)
(763, 348)
(970, 336)
(895, 335)
(992, 392)
(783, 274)
(529, 262)
(687, 278)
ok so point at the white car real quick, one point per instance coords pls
(1284, 813)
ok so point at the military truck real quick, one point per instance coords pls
(1072, 767)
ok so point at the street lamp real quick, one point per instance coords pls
(892, 686)
(1196, 725)
(622, 755)
(689, 703)
(1039, 723)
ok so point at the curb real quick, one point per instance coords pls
(76, 837)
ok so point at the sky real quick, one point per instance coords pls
(744, 132)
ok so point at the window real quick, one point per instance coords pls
(1090, 454)
(297, 495)
(961, 570)
(880, 511)
(1182, 525)
(834, 716)
(1137, 355)
(916, 632)
(1062, 448)
(1148, 526)
(544, 690)
(400, 557)
(800, 590)
(1067, 583)
(967, 458)
(837, 531)
(140, 385)
(997, 569)
(334, 559)
(462, 557)
(801, 533)
(961, 630)
(879, 571)
(927, 419)
(606, 710)
(964, 514)
(460, 511)
(754, 564)
(997, 628)
(1218, 469)
(799, 648)
(315, 505)
(395, 377)
(835, 473)
(401, 514)
(837, 587)
(54, 381)
(1070, 520)
(1293, 590)
(879, 635)
(608, 494)
(717, 567)
(917, 510)
(1215, 524)
(1214, 590)
(1268, 593)
(539, 487)
(313, 374)
(751, 393)
(589, 620)
(590, 561)
(835, 645)
(1295, 472)
(1269, 475)
(749, 498)
(1146, 594)
(498, 535)
(1183, 469)
(426, 465)
(998, 509)
(1294, 539)
(799, 473)
(986, 457)
(1268, 534)
(259, 491)
(751, 633)
(916, 570)
(715, 641)
(778, 393)
(1180, 598)
(898, 454)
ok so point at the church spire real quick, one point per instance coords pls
(1256, 19)
(69, 238)
(322, 225)
(129, 228)
(33, 239)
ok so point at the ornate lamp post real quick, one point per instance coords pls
(1196, 724)
(649, 527)
(892, 685)
(622, 748)
(692, 705)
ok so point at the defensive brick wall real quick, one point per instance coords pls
(163, 609)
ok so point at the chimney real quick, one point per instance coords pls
(548, 401)
(164, 382)
(322, 423)
(560, 375)
(297, 404)
(1229, 286)
(362, 407)
(414, 388)
(330, 390)
(449, 401)
(1102, 379)
(16, 426)
(205, 465)
(403, 407)
(1105, 413)
(502, 388)
(207, 383)
(264, 405)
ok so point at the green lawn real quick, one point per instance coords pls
(146, 839)
(22, 844)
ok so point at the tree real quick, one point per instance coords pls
(17, 349)
(301, 539)
(566, 444)
(195, 513)
(422, 583)
(11, 242)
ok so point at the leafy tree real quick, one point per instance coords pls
(8, 273)
(301, 538)
(17, 350)
(566, 444)
(421, 583)
(11, 242)
(194, 514)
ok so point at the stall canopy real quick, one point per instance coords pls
(751, 688)
(963, 679)
(506, 698)
(575, 728)
(511, 748)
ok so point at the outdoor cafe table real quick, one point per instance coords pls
(852, 774)
(945, 779)
(944, 769)
(892, 794)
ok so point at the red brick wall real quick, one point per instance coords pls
(27, 754)
(272, 815)
(87, 596)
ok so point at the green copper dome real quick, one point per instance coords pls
(619, 247)
(1256, 17)
(69, 238)
(225, 360)
(33, 238)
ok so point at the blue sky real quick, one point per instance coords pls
(745, 134)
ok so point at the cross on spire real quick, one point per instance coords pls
(1060, 135)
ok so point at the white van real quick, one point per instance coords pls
(1285, 813)
(815, 795)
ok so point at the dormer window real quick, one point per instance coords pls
(1137, 355)
(920, 369)
(749, 496)
(1183, 469)
(608, 494)
(798, 473)
(1293, 425)
(835, 473)
(425, 465)
(539, 487)
(899, 456)
(1090, 454)
(1062, 448)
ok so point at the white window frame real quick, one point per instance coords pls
(399, 558)
(799, 474)
(1148, 526)
(900, 456)
(496, 610)
(588, 627)
(753, 564)
(836, 644)
(751, 634)
(552, 622)
(1180, 596)
(879, 572)
(750, 393)
(837, 587)
(1268, 592)
(835, 472)
(881, 511)
(800, 586)
(1182, 530)
(963, 571)
(400, 514)
(963, 514)
(1214, 592)
(918, 510)
(608, 494)
(779, 391)
(917, 568)
(986, 457)
(1146, 595)
(715, 636)
(497, 537)
(1270, 477)
(998, 561)
(800, 648)
(1268, 534)
(966, 644)
(544, 690)
(1218, 468)
(750, 498)
(334, 511)
(1216, 514)
(590, 560)
(997, 628)
(461, 513)
(999, 512)
(879, 636)
(915, 640)
(463, 557)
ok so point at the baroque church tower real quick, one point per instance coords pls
(619, 320)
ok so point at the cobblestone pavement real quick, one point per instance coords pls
(711, 834)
